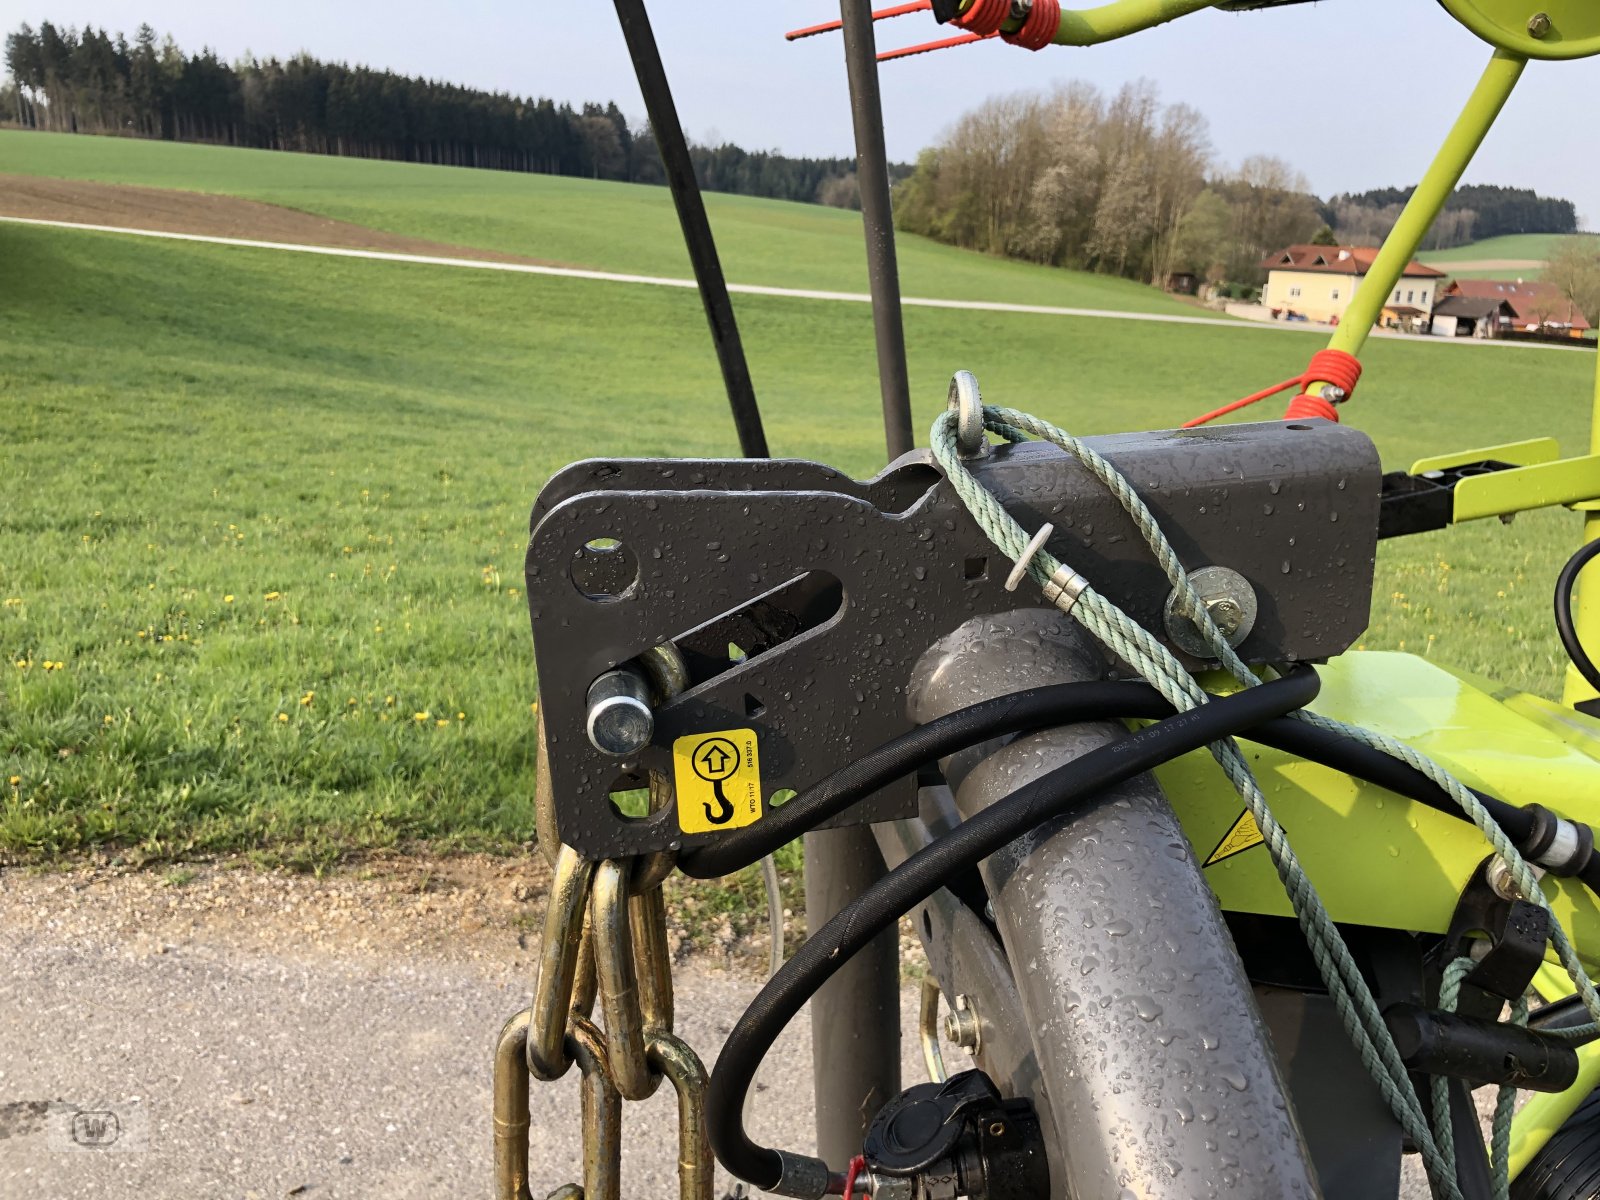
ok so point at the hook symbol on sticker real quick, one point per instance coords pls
(717, 777)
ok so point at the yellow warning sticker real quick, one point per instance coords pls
(1241, 836)
(718, 777)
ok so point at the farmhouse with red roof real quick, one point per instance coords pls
(1317, 283)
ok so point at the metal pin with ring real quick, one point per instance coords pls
(1064, 585)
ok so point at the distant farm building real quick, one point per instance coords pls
(1317, 283)
(1500, 306)
(1470, 316)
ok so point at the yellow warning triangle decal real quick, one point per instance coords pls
(1243, 834)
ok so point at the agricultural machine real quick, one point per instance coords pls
(1217, 906)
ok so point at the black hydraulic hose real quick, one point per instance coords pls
(1331, 749)
(1063, 704)
(1566, 583)
(926, 871)
(1020, 712)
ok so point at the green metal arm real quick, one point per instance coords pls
(1400, 247)
(1091, 26)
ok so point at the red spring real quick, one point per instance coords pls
(984, 17)
(1039, 29)
(1342, 370)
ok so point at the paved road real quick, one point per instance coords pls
(272, 1036)
(245, 1075)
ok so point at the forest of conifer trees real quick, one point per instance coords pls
(94, 82)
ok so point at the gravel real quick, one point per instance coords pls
(266, 1034)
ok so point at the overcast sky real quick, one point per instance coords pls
(1277, 81)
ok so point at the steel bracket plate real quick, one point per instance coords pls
(802, 599)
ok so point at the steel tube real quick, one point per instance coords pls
(855, 1017)
(1092, 26)
(1148, 1040)
(877, 221)
(696, 225)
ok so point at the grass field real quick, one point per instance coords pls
(574, 221)
(262, 515)
(1532, 246)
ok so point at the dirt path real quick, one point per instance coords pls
(163, 210)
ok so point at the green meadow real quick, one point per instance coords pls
(262, 515)
(576, 222)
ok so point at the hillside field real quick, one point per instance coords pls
(577, 222)
(262, 514)
(1532, 246)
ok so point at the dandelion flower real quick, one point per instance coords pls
(283, 717)
(228, 599)
(15, 780)
(421, 716)
(460, 716)
(273, 596)
(442, 722)
(305, 701)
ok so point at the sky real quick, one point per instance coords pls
(1355, 93)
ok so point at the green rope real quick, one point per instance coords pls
(1505, 1097)
(1130, 642)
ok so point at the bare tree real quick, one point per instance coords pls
(1574, 268)
(1179, 158)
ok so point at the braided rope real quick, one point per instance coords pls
(1130, 642)
(1505, 1097)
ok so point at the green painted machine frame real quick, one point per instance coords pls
(1376, 858)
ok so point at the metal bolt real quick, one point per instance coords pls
(961, 1024)
(620, 722)
(1539, 25)
(1501, 882)
(1334, 395)
(1229, 599)
(1227, 613)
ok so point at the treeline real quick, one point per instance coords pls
(1471, 214)
(92, 82)
(1128, 186)
(1122, 184)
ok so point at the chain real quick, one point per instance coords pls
(605, 938)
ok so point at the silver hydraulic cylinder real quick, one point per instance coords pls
(1162, 1083)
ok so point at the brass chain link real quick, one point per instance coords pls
(605, 935)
